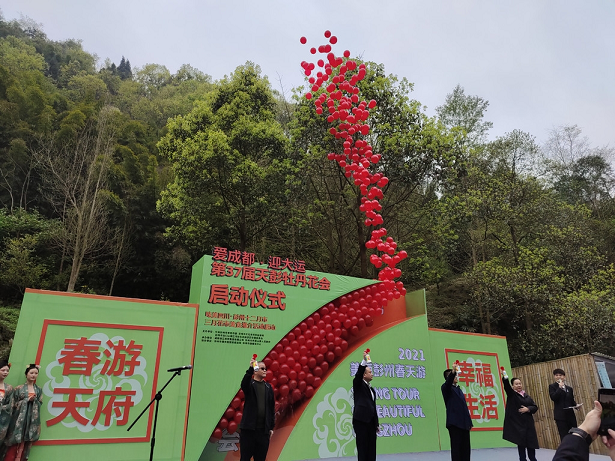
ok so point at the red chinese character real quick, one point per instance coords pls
(286, 264)
(249, 273)
(120, 351)
(288, 278)
(261, 274)
(79, 356)
(274, 262)
(275, 276)
(239, 296)
(472, 407)
(490, 406)
(234, 256)
(114, 406)
(299, 266)
(276, 300)
(247, 259)
(218, 269)
(219, 254)
(483, 375)
(467, 373)
(312, 281)
(300, 280)
(258, 298)
(218, 294)
(71, 407)
(324, 284)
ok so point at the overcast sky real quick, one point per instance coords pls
(539, 63)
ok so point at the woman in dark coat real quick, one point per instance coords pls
(518, 420)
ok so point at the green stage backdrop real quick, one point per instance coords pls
(102, 360)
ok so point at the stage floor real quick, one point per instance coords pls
(483, 454)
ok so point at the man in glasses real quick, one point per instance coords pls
(258, 414)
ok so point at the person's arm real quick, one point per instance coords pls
(271, 409)
(556, 392)
(358, 377)
(574, 447)
(246, 380)
(509, 390)
(447, 388)
(532, 407)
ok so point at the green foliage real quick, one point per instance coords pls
(229, 160)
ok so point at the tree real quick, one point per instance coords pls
(229, 157)
(77, 174)
(466, 112)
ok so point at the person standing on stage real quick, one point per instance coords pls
(563, 398)
(458, 420)
(258, 416)
(364, 416)
(519, 425)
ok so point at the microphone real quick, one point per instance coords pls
(185, 367)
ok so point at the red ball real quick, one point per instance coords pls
(327, 33)
(303, 40)
(232, 427)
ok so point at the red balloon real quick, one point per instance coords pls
(292, 384)
(237, 417)
(232, 427)
(236, 402)
(309, 392)
(327, 34)
(302, 385)
(282, 379)
(292, 375)
(330, 356)
(284, 390)
(325, 367)
(317, 382)
(312, 362)
(309, 378)
(223, 424)
(284, 369)
(317, 371)
(296, 395)
(217, 434)
(281, 358)
(229, 413)
(303, 40)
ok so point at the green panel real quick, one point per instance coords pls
(49, 331)
(224, 346)
(404, 383)
(480, 357)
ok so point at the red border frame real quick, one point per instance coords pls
(39, 352)
(497, 359)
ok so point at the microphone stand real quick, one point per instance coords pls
(156, 399)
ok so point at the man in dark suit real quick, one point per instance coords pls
(563, 398)
(364, 416)
(258, 416)
(458, 420)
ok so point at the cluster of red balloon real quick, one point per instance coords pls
(339, 97)
(298, 364)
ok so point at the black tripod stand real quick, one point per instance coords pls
(157, 399)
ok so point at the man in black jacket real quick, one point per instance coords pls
(563, 398)
(258, 414)
(458, 419)
(364, 416)
(575, 445)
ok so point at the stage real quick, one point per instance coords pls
(483, 454)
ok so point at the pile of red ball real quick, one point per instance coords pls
(299, 363)
(339, 98)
